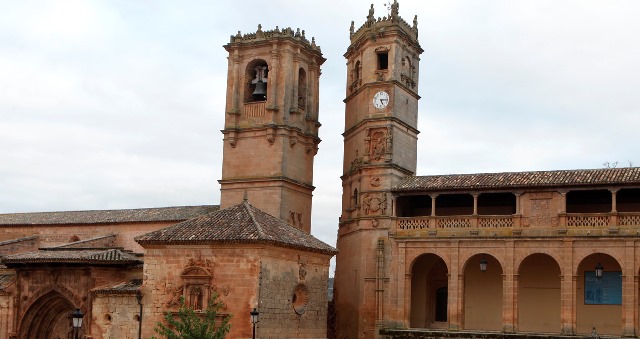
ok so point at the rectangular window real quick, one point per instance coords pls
(606, 290)
(383, 61)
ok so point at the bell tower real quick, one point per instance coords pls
(380, 148)
(271, 123)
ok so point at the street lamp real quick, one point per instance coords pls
(254, 319)
(599, 270)
(77, 321)
(139, 298)
(483, 264)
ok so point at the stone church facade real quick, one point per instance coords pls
(125, 269)
(553, 252)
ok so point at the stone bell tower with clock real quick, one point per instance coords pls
(380, 148)
(271, 123)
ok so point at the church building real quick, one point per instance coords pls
(123, 270)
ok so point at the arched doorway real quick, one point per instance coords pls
(49, 317)
(483, 293)
(599, 300)
(539, 294)
(429, 292)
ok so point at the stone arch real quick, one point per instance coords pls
(539, 294)
(256, 70)
(599, 300)
(302, 88)
(49, 317)
(583, 253)
(465, 258)
(531, 251)
(62, 290)
(429, 292)
(483, 293)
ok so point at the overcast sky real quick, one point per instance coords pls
(119, 104)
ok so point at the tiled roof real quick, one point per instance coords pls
(128, 287)
(6, 280)
(241, 223)
(89, 243)
(510, 180)
(108, 256)
(17, 240)
(177, 213)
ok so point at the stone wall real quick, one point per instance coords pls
(115, 316)
(293, 291)
(244, 276)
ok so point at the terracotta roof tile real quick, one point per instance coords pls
(17, 240)
(177, 213)
(128, 287)
(241, 223)
(108, 256)
(101, 241)
(509, 180)
(7, 280)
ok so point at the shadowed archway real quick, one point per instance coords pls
(49, 317)
(539, 294)
(483, 294)
(429, 292)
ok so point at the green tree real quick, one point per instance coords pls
(189, 324)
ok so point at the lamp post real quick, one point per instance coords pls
(77, 321)
(254, 319)
(139, 298)
(483, 264)
(599, 270)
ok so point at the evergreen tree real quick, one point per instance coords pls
(189, 324)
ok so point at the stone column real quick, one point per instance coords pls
(296, 77)
(475, 203)
(567, 291)
(508, 289)
(272, 81)
(433, 205)
(455, 288)
(629, 291)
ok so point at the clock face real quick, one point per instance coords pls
(381, 100)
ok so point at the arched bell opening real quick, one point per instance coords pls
(429, 292)
(49, 317)
(257, 73)
(302, 89)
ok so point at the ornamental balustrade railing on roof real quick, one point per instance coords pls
(414, 226)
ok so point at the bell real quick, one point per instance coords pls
(260, 93)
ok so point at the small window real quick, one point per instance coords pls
(383, 60)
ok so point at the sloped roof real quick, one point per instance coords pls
(510, 180)
(17, 240)
(176, 213)
(88, 243)
(241, 223)
(107, 256)
(127, 287)
(6, 280)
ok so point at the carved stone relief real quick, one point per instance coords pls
(295, 219)
(379, 144)
(374, 203)
(541, 211)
